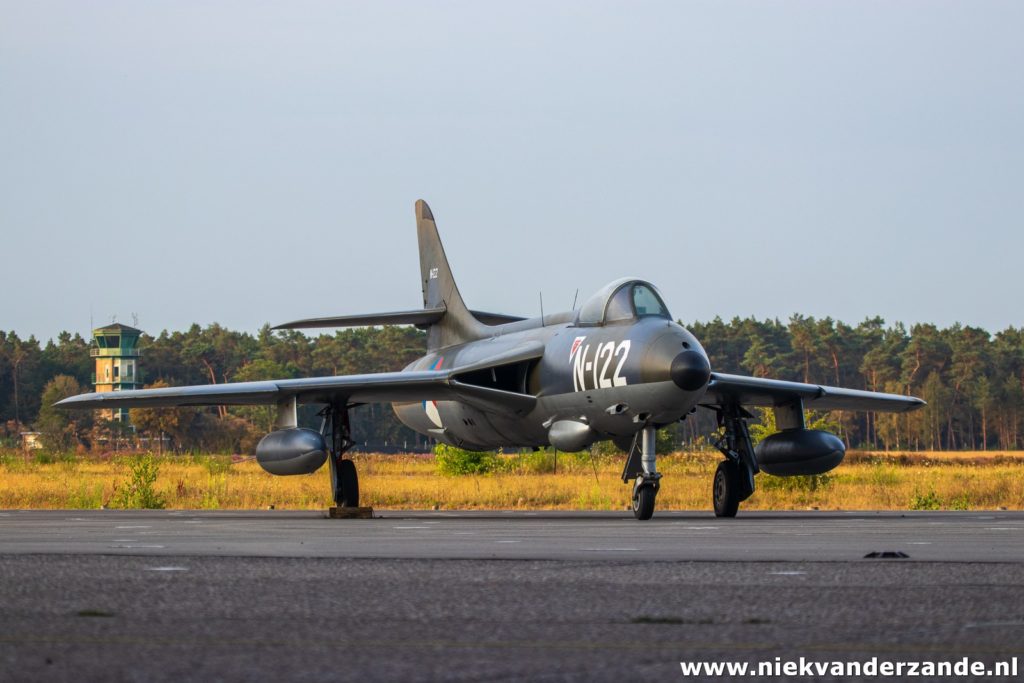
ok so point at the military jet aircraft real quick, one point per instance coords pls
(617, 368)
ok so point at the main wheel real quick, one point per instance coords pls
(346, 484)
(643, 502)
(726, 490)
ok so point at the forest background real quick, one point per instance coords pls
(972, 380)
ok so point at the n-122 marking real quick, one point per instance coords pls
(599, 372)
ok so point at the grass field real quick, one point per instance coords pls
(904, 481)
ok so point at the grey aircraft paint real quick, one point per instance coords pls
(617, 368)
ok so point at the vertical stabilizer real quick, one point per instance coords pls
(458, 325)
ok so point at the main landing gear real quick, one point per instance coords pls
(640, 466)
(344, 480)
(734, 478)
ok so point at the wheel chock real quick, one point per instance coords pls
(350, 513)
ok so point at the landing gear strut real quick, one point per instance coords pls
(344, 480)
(640, 465)
(734, 478)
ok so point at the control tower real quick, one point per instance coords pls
(116, 350)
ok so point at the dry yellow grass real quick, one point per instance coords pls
(866, 481)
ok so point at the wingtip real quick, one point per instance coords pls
(74, 401)
(423, 211)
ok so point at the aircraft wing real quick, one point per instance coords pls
(424, 385)
(755, 391)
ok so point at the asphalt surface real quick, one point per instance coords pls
(422, 596)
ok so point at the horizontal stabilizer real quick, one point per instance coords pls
(421, 317)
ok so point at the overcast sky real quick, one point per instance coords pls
(257, 162)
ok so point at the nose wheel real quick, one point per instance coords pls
(644, 494)
(640, 466)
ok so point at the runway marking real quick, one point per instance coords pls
(410, 527)
(610, 550)
(508, 541)
(123, 540)
(790, 573)
(136, 546)
(696, 528)
(193, 521)
(133, 527)
(1005, 528)
(166, 569)
(919, 542)
(464, 533)
(994, 624)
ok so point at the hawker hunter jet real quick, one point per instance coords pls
(619, 368)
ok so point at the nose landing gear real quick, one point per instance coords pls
(647, 478)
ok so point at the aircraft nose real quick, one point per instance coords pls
(690, 370)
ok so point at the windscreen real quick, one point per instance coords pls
(646, 302)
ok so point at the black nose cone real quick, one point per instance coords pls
(690, 370)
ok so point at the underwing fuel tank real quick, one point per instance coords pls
(571, 436)
(799, 451)
(292, 451)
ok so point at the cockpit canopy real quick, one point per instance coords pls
(622, 300)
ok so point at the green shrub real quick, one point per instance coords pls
(216, 464)
(48, 457)
(454, 461)
(803, 483)
(928, 501)
(85, 497)
(543, 461)
(137, 491)
(961, 502)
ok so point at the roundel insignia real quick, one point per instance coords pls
(575, 346)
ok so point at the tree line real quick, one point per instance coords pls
(973, 381)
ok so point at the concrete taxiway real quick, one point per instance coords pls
(670, 536)
(262, 595)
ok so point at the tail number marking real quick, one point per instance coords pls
(596, 371)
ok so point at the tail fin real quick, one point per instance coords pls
(457, 325)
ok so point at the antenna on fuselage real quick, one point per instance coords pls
(574, 297)
(541, 295)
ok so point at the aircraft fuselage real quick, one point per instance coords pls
(615, 378)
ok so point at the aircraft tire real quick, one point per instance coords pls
(725, 492)
(346, 485)
(643, 502)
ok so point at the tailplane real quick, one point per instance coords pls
(458, 324)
